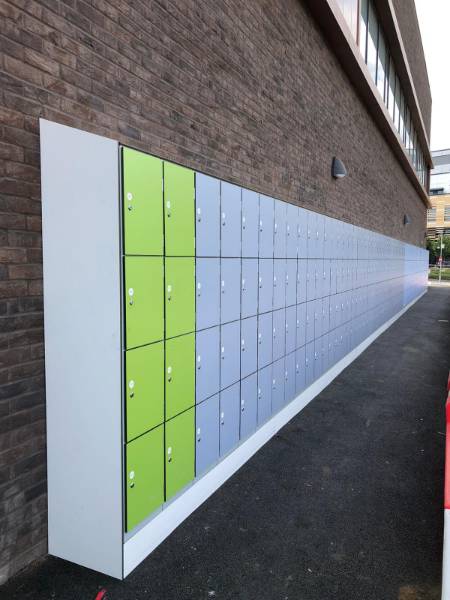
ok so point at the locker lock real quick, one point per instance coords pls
(242, 405)
(131, 294)
(222, 418)
(223, 286)
(274, 333)
(243, 345)
(259, 393)
(243, 285)
(259, 338)
(288, 229)
(243, 222)
(169, 373)
(198, 435)
(260, 282)
(130, 198)
(222, 351)
(297, 369)
(169, 454)
(199, 363)
(274, 281)
(286, 375)
(275, 227)
(131, 387)
(260, 225)
(169, 293)
(168, 208)
(199, 289)
(274, 383)
(131, 477)
(199, 214)
(223, 218)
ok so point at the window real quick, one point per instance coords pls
(446, 213)
(382, 66)
(363, 28)
(398, 93)
(372, 43)
(401, 117)
(431, 215)
(391, 103)
(349, 9)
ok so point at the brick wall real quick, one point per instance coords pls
(248, 91)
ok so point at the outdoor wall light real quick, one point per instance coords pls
(406, 219)
(338, 169)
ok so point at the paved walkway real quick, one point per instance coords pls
(344, 504)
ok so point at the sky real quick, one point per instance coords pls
(434, 21)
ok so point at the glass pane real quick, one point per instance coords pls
(401, 122)
(372, 43)
(381, 69)
(391, 102)
(397, 104)
(363, 28)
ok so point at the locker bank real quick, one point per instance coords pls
(187, 319)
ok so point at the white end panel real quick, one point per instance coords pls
(81, 245)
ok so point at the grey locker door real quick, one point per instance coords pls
(249, 287)
(325, 314)
(301, 325)
(317, 318)
(317, 358)
(230, 220)
(292, 231)
(264, 394)
(326, 278)
(206, 434)
(309, 363)
(302, 233)
(230, 364)
(333, 276)
(310, 321)
(302, 265)
(300, 370)
(291, 329)
(207, 217)
(249, 405)
(279, 230)
(266, 219)
(249, 345)
(278, 385)
(289, 377)
(310, 279)
(291, 281)
(279, 333)
(264, 339)
(230, 289)
(229, 418)
(318, 275)
(207, 275)
(265, 285)
(311, 234)
(326, 245)
(279, 283)
(250, 223)
(207, 381)
(320, 223)
(332, 321)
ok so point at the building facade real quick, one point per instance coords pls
(256, 94)
(438, 216)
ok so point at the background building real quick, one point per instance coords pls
(438, 216)
(259, 94)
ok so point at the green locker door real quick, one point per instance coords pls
(180, 374)
(144, 300)
(180, 452)
(144, 476)
(144, 380)
(180, 296)
(142, 203)
(179, 209)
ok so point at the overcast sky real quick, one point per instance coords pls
(434, 19)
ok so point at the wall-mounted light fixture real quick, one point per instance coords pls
(338, 169)
(406, 219)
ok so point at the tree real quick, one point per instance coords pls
(434, 247)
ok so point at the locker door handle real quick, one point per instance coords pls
(131, 296)
(199, 214)
(169, 374)
(169, 212)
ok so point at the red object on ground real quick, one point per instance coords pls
(101, 595)
(447, 455)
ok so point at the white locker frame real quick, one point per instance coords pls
(83, 361)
